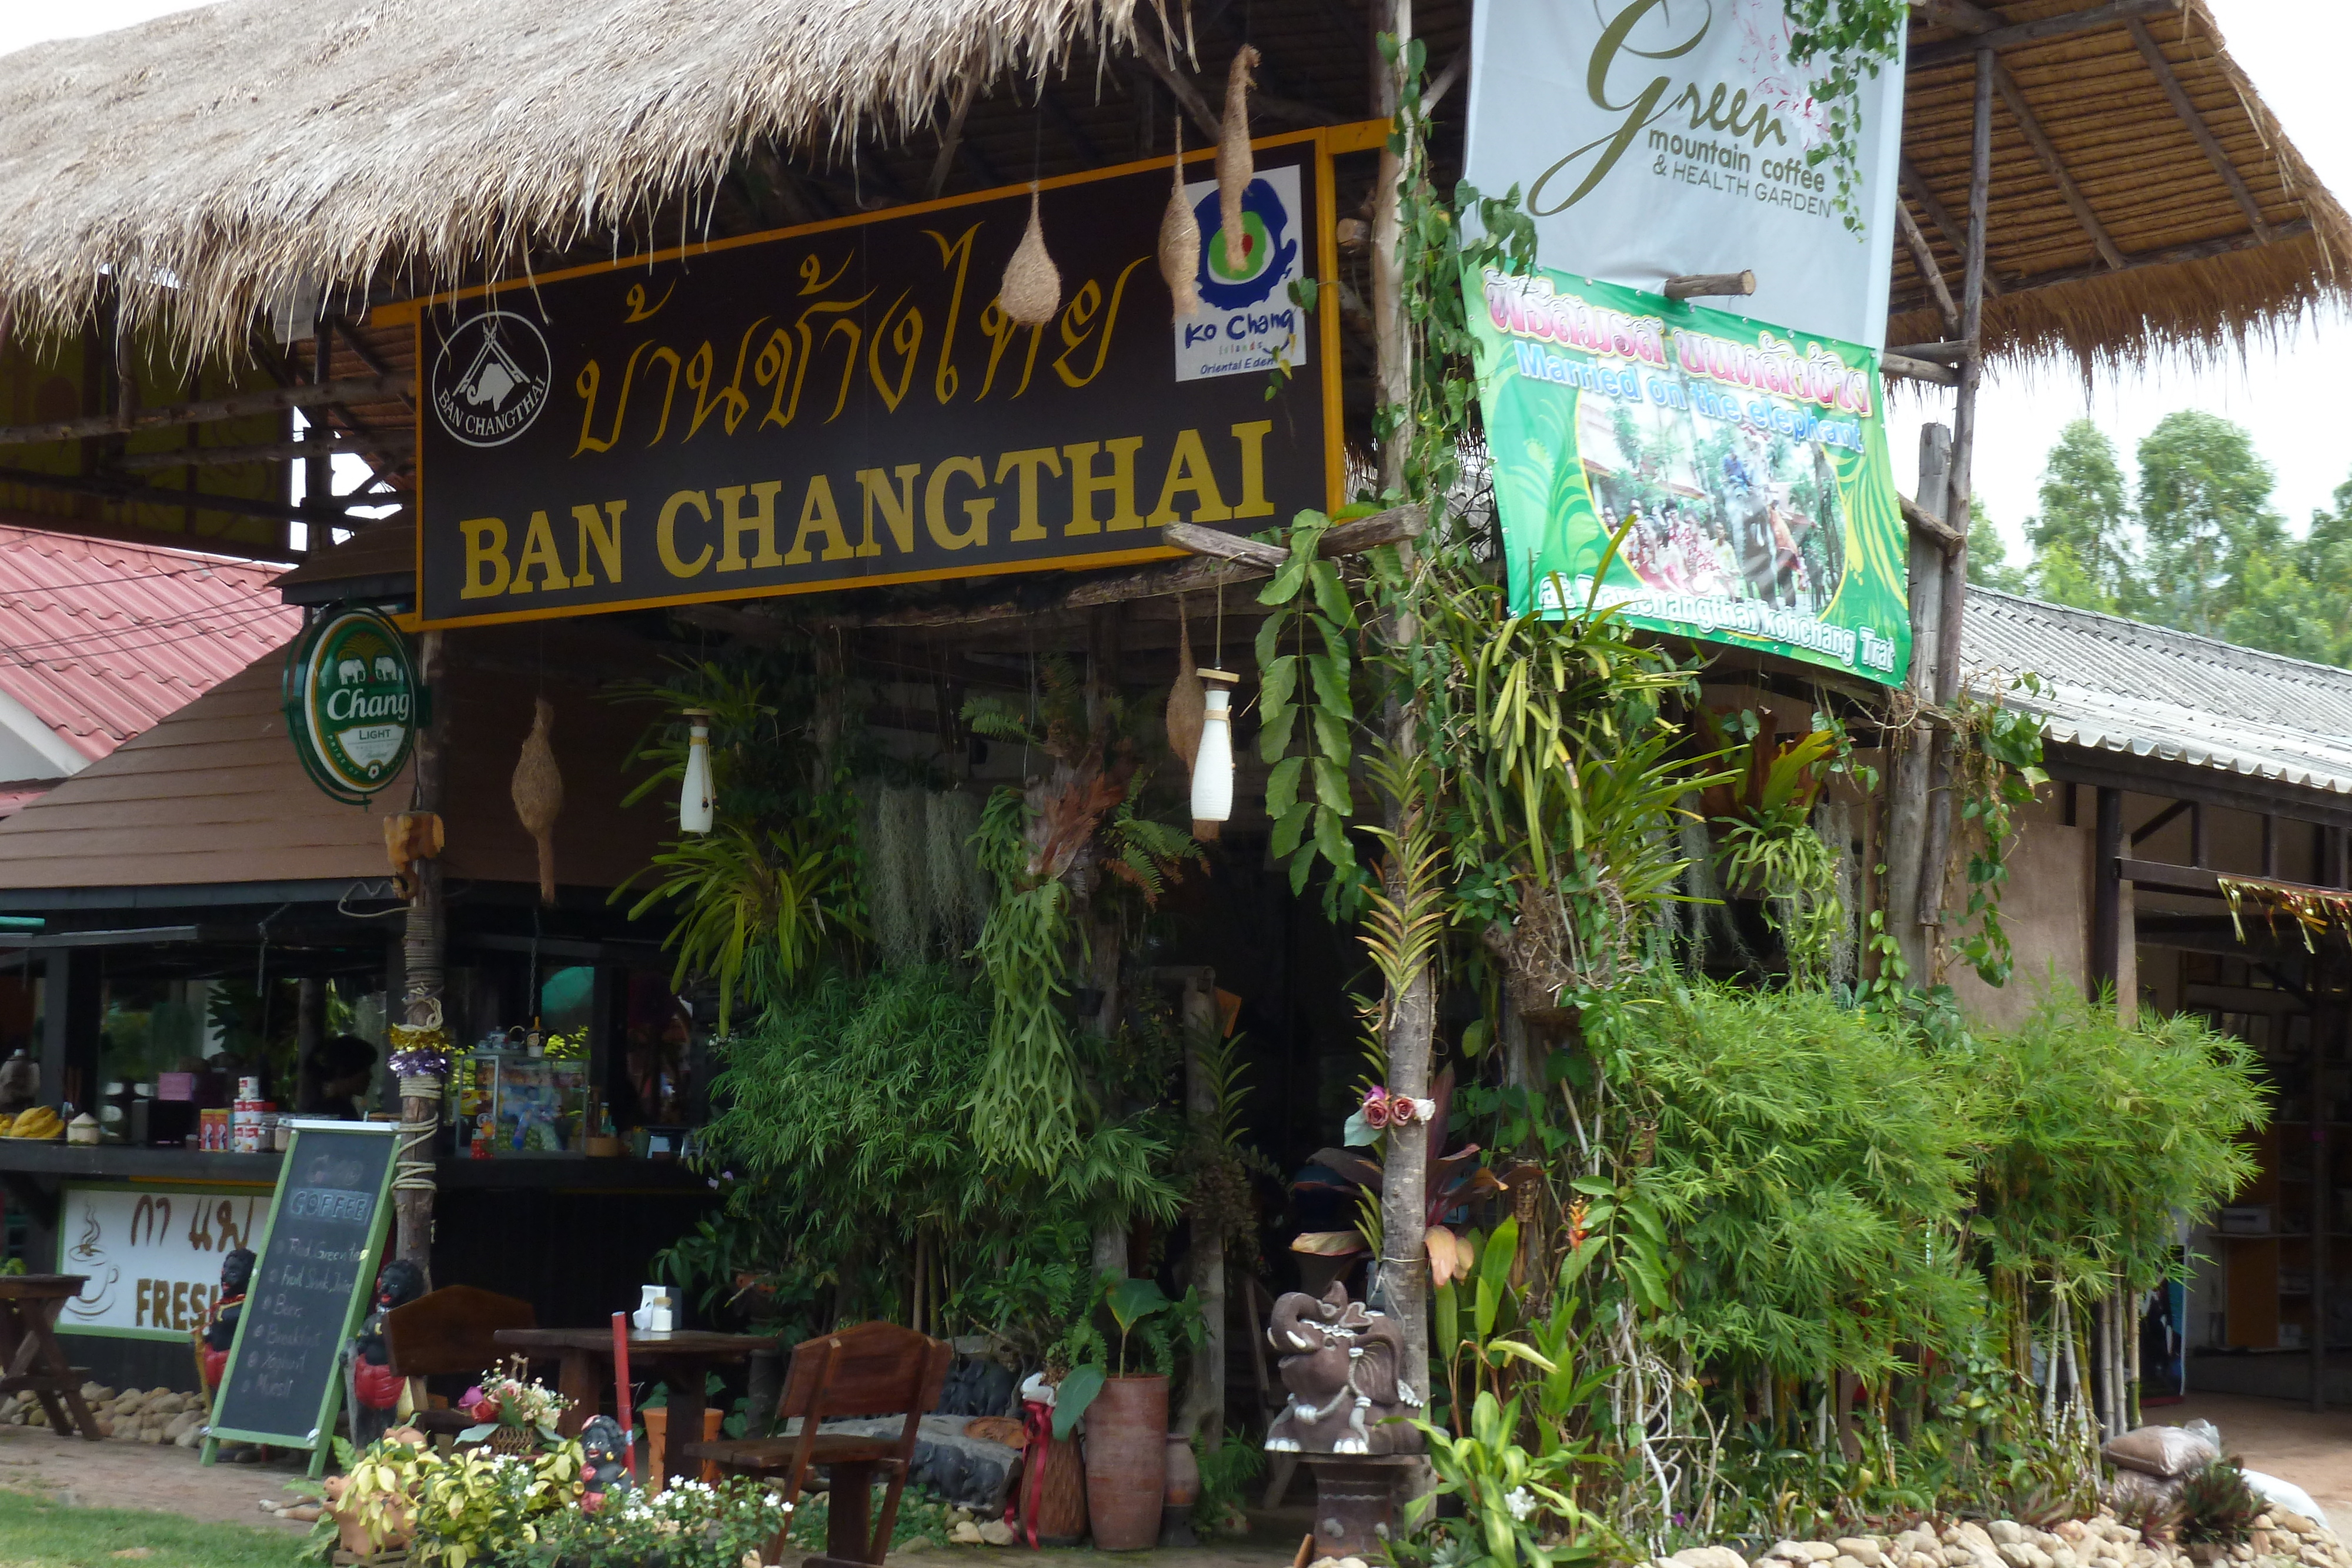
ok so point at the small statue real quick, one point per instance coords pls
(1340, 1364)
(375, 1387)
(604, 1461)
(220, 1333)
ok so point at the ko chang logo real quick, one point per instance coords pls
(1268, 251)
(492, 378)
(351, 704)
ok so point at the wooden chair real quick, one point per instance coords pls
(872, 1369)
(449, 1332)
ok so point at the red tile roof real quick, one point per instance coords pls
(99, 640)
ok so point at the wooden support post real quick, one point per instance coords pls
(2106, 893)
(1906, 820)
(318, 466)
(1095, 917)
(2325, 1029)
(1944, 768)
(310, 1034)
(1204, 1416)
(422, 954)
(1392, 372)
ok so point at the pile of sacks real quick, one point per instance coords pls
(134, 1416)
(2281, 1536)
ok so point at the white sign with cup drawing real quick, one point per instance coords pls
(152, 1255)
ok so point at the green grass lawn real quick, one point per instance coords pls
(35, 1533)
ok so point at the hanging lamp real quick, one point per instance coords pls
(695, 809)
(1212, 764)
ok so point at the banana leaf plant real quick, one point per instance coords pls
(1456, 1179)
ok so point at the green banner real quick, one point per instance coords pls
(1749, 462)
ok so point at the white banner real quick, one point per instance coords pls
(152, 1255)
(1654, 139)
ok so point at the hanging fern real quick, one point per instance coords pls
(1024, 1112)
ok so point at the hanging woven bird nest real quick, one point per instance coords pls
(538, 790)
(1032, 290)
(1234, 166)
(1179, 246)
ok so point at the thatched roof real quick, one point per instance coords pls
(239, 150)
(214, 159)
(2199, 231)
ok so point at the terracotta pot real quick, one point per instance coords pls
(1127, 1462)
(1183, 1472)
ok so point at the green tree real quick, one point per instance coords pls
(1989, 555)
(2204, 503)
(2281, 609)
(2087, 514)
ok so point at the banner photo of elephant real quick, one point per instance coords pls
(1741, 471)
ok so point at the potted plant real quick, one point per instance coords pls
(1126, 1417)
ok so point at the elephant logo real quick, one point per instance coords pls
(387, 669)
(491, 379)
(350, 669)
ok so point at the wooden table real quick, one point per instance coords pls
(681, 1359)
(29, 1304)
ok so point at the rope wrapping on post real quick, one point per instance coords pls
(413, 1160)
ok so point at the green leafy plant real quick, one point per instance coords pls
(1999, 752)
(689, 1524)
(1855, 39)
(1132, 1303)
(1509, 1496)
(2217, 1506)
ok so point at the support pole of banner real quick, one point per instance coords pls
(1711, 284)
(1907, 818)
(1953, 578)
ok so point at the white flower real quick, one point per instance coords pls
(1521, 1503)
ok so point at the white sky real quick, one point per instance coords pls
(2294, 51)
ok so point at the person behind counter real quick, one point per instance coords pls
(343, 1068)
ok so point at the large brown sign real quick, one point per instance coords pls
(845, 405)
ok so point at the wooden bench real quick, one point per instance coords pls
(872, 1369)
(451, 1332)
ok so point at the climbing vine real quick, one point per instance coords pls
(1997, 753)
(1855, 37)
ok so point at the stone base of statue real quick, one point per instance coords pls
(1356, 1501)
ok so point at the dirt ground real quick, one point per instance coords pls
(2284, 1438)
(136, 1475)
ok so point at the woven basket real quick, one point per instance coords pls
(516, 1440)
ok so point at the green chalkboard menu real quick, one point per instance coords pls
(310, 1290)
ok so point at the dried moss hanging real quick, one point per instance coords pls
(538, 792)
(1179, 248)
(1235, 168)
(926, 897)
(1188, 700)
(1032, 290)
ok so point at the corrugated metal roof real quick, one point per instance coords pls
(2113, 685)
(100, 639)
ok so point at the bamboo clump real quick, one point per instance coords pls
(538, 790)
(1233, 165)
(1032, 290)
(1180, 252)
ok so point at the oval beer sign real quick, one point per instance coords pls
(350, 703)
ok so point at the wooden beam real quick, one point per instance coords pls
(2159, 822)
(1927, 57)
(1939, 353)
(1894, 364)
(1712, 284)
(2185, 107)
(1194, 539)
(2054, 166)
(1445, 80)
(1395, 525)
(1955, 234)
(1923, 258)
(235, 406)
(1147, 50)
(1930, 527)
(952, 137)
(268, 451)
(2201, 250)
(1965, 14)
(147, 495)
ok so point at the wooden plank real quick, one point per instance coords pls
(1894, 364)
(236, 406)
(2054, 166)
(1927, 57)
(269, 451)
(1923, 258)
(2186, 108)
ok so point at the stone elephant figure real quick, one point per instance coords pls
(1341, 1365)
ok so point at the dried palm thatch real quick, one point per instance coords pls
(212, 159)
(2204, 268)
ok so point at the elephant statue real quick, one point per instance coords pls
(1340, 1364)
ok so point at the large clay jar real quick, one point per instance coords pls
(1127, 1462)
(1183, 1472)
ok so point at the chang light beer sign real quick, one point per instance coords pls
(1653, 139)
(1740, 471)
(351, 704)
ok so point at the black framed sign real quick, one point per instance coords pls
(846, 406)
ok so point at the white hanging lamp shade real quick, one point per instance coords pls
(1212, 764)
(695, 809)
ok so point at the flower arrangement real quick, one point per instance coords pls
(505, 1399)
(449, 1510)
(692, 1525)
(419, 1051)
(1382, 1109)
